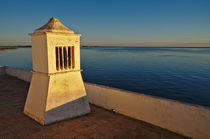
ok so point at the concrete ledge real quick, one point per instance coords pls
(186, 119)
(22, 74)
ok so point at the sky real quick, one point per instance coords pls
(111, 22)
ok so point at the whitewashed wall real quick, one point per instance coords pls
(182, 118)
(189, 120)
(22, 74)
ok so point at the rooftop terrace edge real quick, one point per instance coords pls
(172, 115)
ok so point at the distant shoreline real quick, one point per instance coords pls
(2, 49)
(18, 46)
(148, 46)
(85, 46)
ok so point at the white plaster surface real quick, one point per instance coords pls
(55, 90)
(56, 97)
(58, 39)
(185, 119)
(22, 74)
(35, 105)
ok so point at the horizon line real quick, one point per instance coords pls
(111, 46)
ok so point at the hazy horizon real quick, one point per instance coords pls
(190, 46)
(151, 23)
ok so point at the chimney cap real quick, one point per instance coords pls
(54, 25)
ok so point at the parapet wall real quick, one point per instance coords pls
(22, 74)
(186, 119)
(189, 120)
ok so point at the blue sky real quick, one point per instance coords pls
(111, 22)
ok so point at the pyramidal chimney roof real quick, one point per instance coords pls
(53, 25)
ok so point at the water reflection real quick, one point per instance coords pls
(176, 73)
(20, 57)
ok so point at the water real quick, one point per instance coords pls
(181, 74)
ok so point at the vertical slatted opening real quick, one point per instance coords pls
(72, 57)
(69, 57)
(57, 57)
(65, 57)
(61, 57)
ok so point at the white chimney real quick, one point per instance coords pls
(57, 90)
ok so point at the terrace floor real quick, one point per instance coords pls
(99, 124)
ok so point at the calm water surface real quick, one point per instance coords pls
(181, 74)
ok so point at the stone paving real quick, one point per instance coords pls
(100, 124)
